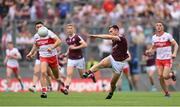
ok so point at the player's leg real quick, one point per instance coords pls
(113, 85)
(102, 64)
(18, 77)
(8, 77)
(160, 70)
(128, 76)
(166, 76)
(150, 76)
(48, 78)
(44, 68)
(35, 76)
(119, 85)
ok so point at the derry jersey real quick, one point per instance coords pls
(163, 46)
(12, 52)
(44, 43)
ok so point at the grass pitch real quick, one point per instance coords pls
(90, 99)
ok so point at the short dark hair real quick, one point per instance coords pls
(39, 22)
(114, 27)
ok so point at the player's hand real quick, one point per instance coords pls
(49, 49)
(148, 53)
(173, 56)
(29, 56)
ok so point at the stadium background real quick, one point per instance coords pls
(135, 18)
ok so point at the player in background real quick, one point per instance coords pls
(46, 43)
(126, 72)
(75, 55)
(116, 60)
(162, 43)
(150, 67)
(12, 65)
(36, 76)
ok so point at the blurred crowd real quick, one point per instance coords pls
(135, 18)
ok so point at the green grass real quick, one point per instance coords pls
(90, 99)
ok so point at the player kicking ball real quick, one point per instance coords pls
(115, 60)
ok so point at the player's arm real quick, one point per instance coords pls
(57, 42)
(56, 39)
(83, 44)
(106, 36)
(175, 50)
(151, 50)
(5, 60)
(32, 52)
(17, 55)
(129, 58)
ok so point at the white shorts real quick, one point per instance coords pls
(150, 68)
(78, 63)
(37, 62)
(117, 65)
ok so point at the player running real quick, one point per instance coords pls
(117, 58)
(162, 43)
(75, 55)
(12, 65)
(36, 76)
(46, 42)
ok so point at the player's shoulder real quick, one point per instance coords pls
(36, 36)
(14, 50)
(167, 34)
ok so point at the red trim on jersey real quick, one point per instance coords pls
(162, 44)
(45, 41)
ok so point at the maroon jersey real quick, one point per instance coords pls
(37, 56)
(151, 60)
(74, 53)
(119, 49)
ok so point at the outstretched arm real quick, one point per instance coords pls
(105, 36)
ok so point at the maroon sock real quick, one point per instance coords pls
(67, 86)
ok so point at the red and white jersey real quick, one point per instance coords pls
(163, 46)
(44, 43)
(12, 52)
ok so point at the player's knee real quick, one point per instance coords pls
(113, 84)
(166, 77)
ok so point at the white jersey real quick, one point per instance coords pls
(163, 46)
(44, 43)
(12, 62)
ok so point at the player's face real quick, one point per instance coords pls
(10, 45)
(159, 27)
(70, 30)
(112, 31)
(38, 26)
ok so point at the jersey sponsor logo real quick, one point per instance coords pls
(162, 44)
(45, 41)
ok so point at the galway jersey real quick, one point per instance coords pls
(44, 43)
(163, 46)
